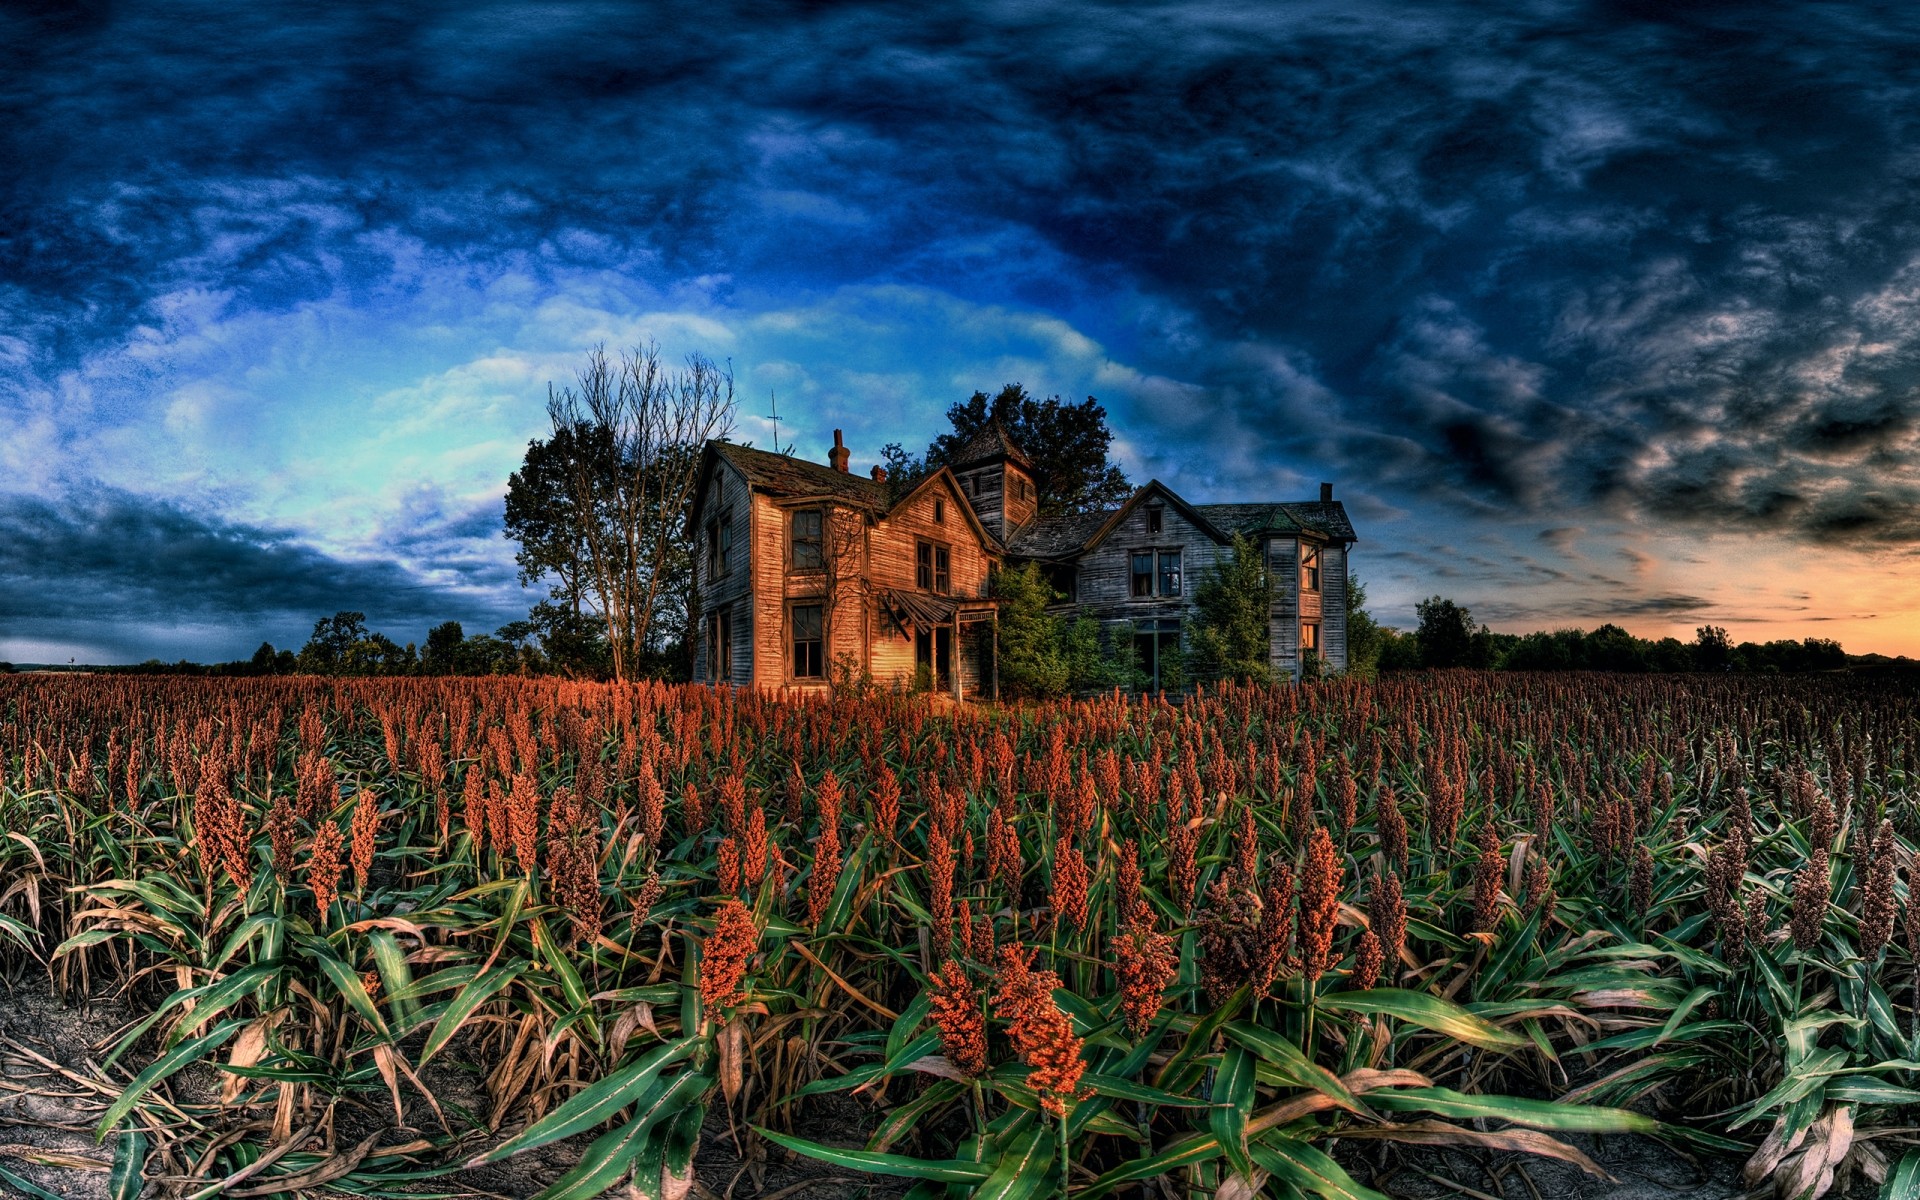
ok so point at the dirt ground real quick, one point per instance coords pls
(52, 1091)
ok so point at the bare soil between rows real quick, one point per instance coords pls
(53, 1090)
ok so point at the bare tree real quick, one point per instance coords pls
(631, 501)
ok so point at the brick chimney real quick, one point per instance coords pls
(837, 457)
(879, 473)
(1326, 491)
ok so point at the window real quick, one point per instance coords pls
(1143, 573)
(1310, 636)
(1156, 650)
(939, 512)
(806, 540)
(932, 568)
(1061, 578)
(1154, 513)
(719, 543)
(808, 660)
(719, 646)
(1310, 569)
(1169, 572)
(1155, 572)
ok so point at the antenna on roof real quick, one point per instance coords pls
(773, 403)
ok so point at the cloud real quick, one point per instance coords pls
(316, 272)
(125, 573)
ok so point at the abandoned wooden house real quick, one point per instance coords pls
(807, 572)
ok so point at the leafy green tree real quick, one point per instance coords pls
(264, 660)
(1231, 638)
(1366, 638)
(1068, 443)
(1032, 664)
(1448, 637)
(334, 647)
(1712, 649)
(445, 642)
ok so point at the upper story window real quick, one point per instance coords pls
(1142, 573)
(1154, 573)
(1310, 569)
(932, 568)
(720, 544)
(1169, 572)
(939, 512)
(1154, 515)
(807, 556)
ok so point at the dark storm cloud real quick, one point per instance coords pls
(87, 563)
(1556, 260)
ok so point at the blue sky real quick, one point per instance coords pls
(1589, 311)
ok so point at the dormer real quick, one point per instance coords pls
(997, 479)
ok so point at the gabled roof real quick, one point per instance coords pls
(784, 475)
(942, 477)
(991, 443)
(1065, 537)
(1153, 487)
(1328, 518)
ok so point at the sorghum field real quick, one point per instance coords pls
(1119, 947)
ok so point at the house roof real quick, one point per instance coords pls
(1327, 518)
(1064, 537)
(990, 443)
(784, 475)
(1056, 537)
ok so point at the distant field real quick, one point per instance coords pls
(540, 937)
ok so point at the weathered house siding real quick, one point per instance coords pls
(1283, 566)
(730, 590)
(1333, 605)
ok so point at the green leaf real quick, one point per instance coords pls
(1535, 1114)
(913, 1051)
(1025, 1170)
(396, 978)
(593, 1105)
(129, 1160)
(1295, 1162)
(1428, 1012)
(613, 1152)
(1294, 1066)
(26, 1187)
(1140, 1093)
(1903, 1182)
(1186, 1152)
(346, 981)
(1868, 1090)
(951, 1170)
(162, 1067)
(212, 999)
(1800, 1083)
(907, 1022)
(462, 1006)
(1695, 998)
(1233, 1104)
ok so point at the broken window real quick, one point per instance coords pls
(807, 554)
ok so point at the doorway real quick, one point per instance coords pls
(933, 649)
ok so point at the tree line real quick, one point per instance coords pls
(1446, 636)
